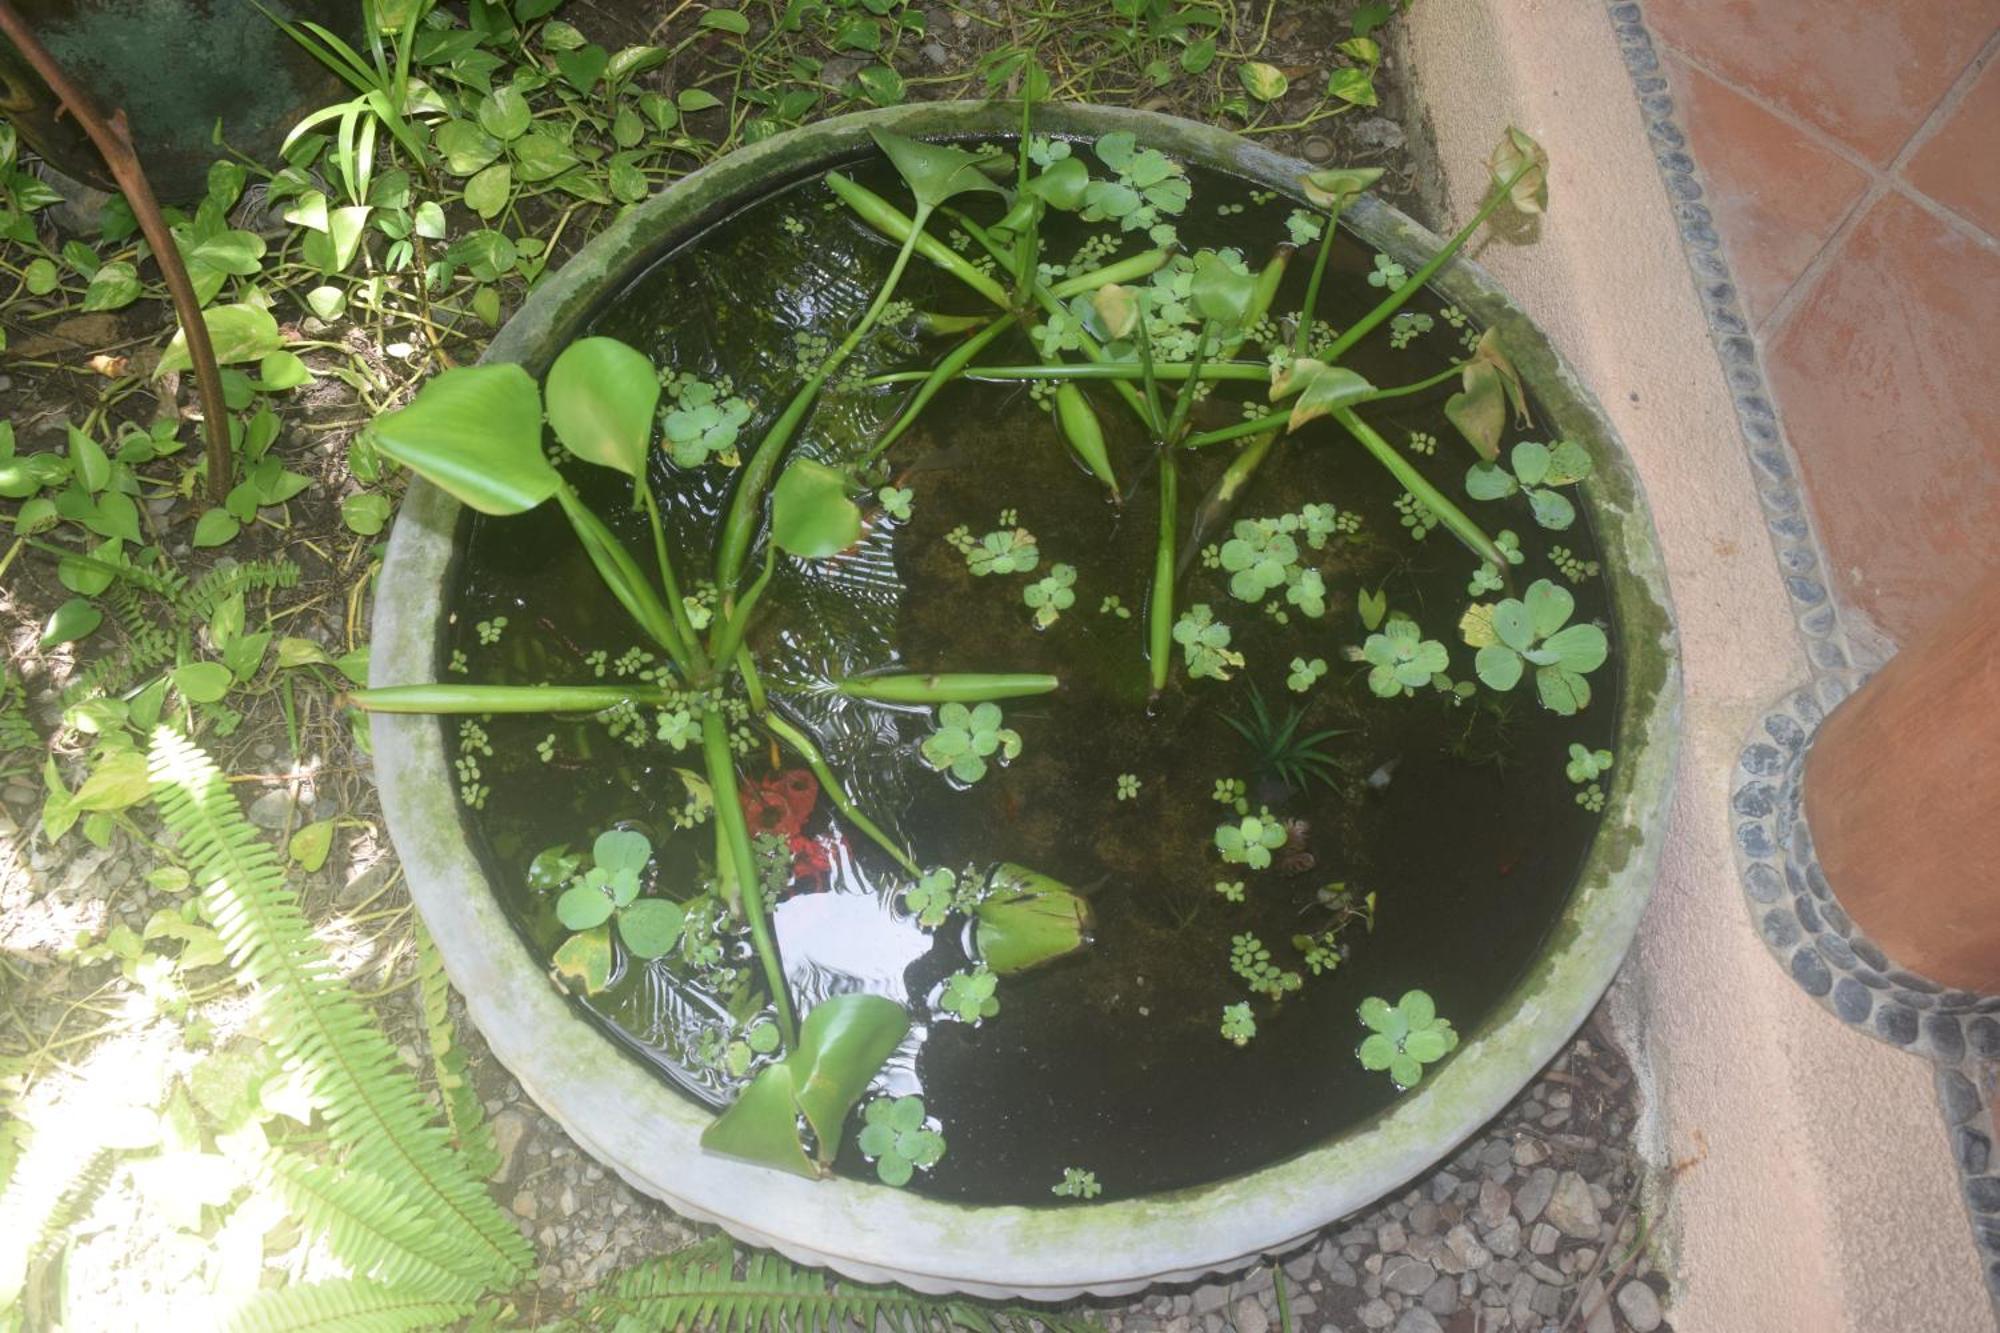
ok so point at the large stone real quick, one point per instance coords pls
(1533, 1196)
(1417, 1319)
(1505, 1239)
(1640, 1306)
(1495, 1203)
(1250, 1316)
(1412, 1277)
(1377, 1314)
(1572, 1210)
(510, 1127)
(1390, 1237)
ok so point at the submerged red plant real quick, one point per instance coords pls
(781, 805)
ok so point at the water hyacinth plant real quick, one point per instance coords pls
(1146, 334)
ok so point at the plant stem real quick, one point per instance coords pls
(733, 838)
(1416, 484)
(886, 218)
(809, 752)
(944, 688)
(1160, 609)
(1302, 337)
(443, 698)
(727, 638)
(622, 575)
(933, 380)
(1395, 300)
(1249, 371)
(113, 140)
(1278, 420)
(676, 608)
(746, 506)
(1185, 402)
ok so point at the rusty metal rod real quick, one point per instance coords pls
(114, 141)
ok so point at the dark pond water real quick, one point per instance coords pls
(1457, 815)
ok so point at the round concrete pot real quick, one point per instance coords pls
(634, 1123)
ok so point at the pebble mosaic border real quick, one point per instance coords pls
(1787, 894)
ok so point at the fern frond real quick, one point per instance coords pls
(461, 1100)
(369, 1229)
(372, 1106)
(345, 1305)
(700, 1288)
(54, 1182)
(218, 585)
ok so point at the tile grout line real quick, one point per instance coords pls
(1881, 180)
(1785, 891)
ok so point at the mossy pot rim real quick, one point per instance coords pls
(634, 1123)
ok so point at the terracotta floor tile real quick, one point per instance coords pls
(1866, 73)
(1776, 194)
(1885, 376)
(1959, 166)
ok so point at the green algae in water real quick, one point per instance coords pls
(1454, 812)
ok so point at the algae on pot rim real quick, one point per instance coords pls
(1123, 346)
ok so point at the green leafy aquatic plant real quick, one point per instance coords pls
(1251, 840)
(1204, 642)
(900, 1138)
(1280, 749)
(1052, 594)
(1536, 469)
(969, 996)
(703, 424)
(609, 891)
(1239, 1025)
(1025, 919)
(1586, 765)
(966, 738)
(1512, 635)
(1305, 674)
(935, 896)
(1404, 1037)
(1250, 960)
(1077, 1184)
(1401, 659)
(841, 1044)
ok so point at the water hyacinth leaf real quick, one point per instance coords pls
(1489, 351)
(934, 172)
(1321, 388)
(1479, 410)
(938, 688)
(1520, 159)
(812, 516)
(651, 928)
(586, 956)
(761, 1125)
(843, 1043)
(475, 432)
(1337, 187)
(601, 395)
(1219, 292)
(1029, 919)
